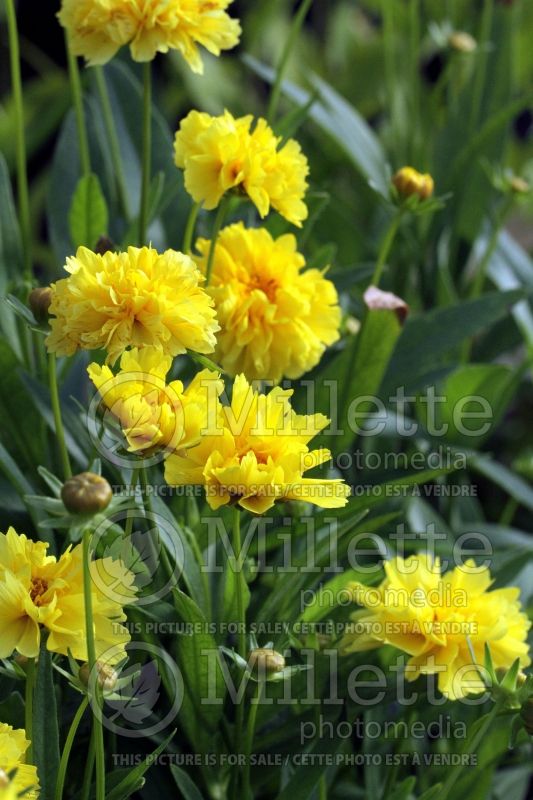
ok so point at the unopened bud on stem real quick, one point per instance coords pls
(86, 493)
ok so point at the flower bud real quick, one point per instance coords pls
(462, 42)
(104, 245)
(39, 302)
(106, 675)
(4, 779)
(518, 185)
(408, 182)
(264, 660)
(86, 493)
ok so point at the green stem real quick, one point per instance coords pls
(28, 707)
(56, 408)
(128, 528)
(146, 153)
(284, 60)
(391, 82)
(481, 274)
(114, 145)
(241, 621)
(479, 79)
(470, 748)
(91, 658)
(217, 225)
(89, 767)
(189, 228)
(65, 755)
(20, 138)
(77, 99)
(386, 246)
(250, 731)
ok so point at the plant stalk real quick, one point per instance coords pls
(28, 707)
(56, 409)
(91, 658)
(81, 122)
(190, 227)
(114, 144)
(297, 23)
(146, 153)
(65, 755)
(217, 225)
(22, 174)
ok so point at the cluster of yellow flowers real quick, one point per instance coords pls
(17, 779)
(433, 618)
(222, 153)
(97, 29)
(39, 592)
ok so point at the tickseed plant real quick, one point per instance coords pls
(266, 345)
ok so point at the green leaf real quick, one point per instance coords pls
(304, 779)
(362, 366)
(199, 663)
(45, 728)
(135, 780)
(186, 786)
(432, 336)
(341, 121)
(88, 217)
(490, 388)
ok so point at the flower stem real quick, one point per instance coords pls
(241, 622)
(28, 706)
(386, 246)
(65, 755)
(250, 731)
(481, 274)
(77, 99)
(20, 138)
(91, 658)
(146, 153)
(189, 228)
(217, 225)
(284, 60)
(88, 773)
(56, 408)
(114, 145)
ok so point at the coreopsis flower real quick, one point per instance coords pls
(17, 779)
(39, 592)
(133, 299)
(408, 182)
(276, 318)
(433, 617)
(219, 154)
(258, 455)
(152, 413)
(97, 29)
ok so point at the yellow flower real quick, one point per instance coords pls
(432, 617)
(97, 29)
(134, 299)
(408, 181)
(276, 319)
(152, 413)
(24, 781)
(258, 455)
(222, 153)
(39, 591)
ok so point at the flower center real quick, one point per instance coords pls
(268, 286)
(37, 589)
